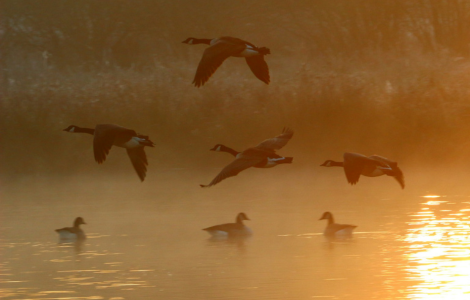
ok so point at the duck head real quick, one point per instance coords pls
(242, 217)
(218, 147)
(189, 41)
(326, 216)
(71, 128)
(328, 163)
(78, 221)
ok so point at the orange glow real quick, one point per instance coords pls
(438, 252)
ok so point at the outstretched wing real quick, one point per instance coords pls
(277, 142)
(103, 140)
(139, 161)
(259, 67)
(105, 136)
(235, 167)
(396, 172)
(354, 164)
(212, 58)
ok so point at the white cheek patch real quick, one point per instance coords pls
(72, 129)
(218, 148)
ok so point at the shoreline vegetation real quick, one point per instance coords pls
(389, 78)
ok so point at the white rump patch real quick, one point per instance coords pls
(249, 52)
(133, 143)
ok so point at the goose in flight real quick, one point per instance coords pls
(261, 156)
(107, 135)
(222, 48)
(356, 165)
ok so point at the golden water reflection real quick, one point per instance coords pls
(438, 250)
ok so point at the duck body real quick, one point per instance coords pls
(356, 164)
(108, 135)
(336, 230)
(224, 47)
(74, 232)
(261, 156)
(272, 159)
(231, 229)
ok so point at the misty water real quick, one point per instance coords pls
(145, 239)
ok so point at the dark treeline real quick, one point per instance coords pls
(387, 77)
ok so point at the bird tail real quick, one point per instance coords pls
(145, 141)
(264, 50)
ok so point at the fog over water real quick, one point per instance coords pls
(388, 78)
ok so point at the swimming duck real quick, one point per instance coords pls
(333, 229)
(72, 233)
(261, 156)
(222, 48)
(231, 229)
(107, 135)
(357, 164)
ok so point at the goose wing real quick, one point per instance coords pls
(212, 58)
(243, 162)
(338, 227)
(277, 142)
(104, 138)
(354, 164)
(139, 161)
(222, 227)
(259, 67)
(396, 172)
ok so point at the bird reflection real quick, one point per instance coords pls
(233, 241)
(76, 245)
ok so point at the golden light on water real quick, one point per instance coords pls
(438, 251)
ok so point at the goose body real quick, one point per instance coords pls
(74, 232)
(108, 135)
(261, 156)
(231, 229)
(222, 48)
(355, 165)
(333, 229)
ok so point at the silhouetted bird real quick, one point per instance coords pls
(222, 48)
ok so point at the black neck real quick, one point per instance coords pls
(229, 150)
(331, 220)
(239, 220)
(201, 41)
(76, 224)
(337, 164)
(84, 130)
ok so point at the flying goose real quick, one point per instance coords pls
(72, 233)
(261, 156)
(222, 48)
(357, 164)
(107, 135)
(333, 229)
(230, 229)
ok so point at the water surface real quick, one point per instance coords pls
(145, 239)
